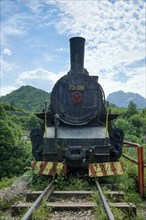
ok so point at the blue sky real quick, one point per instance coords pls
(35, 42)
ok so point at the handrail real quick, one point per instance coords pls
(139, 162)
(131, 144)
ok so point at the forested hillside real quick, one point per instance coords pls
(27, 98)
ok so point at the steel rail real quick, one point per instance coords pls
(105, 204)
(48, 190)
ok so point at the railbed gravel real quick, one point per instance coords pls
(70, 215)
(73, 215)
(19, 187)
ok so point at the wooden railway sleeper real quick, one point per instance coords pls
(38, 195)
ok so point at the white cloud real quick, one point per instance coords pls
(13, 26)
(61, 49)
(4, 90)
(39, 78)
(6, 67)
(115, 37)
(6, 51)
(50, 58)
(136, 82)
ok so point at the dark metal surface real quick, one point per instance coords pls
(82, 148)
(105, 204)
(77, 99)
(77, 45)
(49, 189)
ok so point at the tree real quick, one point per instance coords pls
(132, 109)
(15, 154)
(122, 124)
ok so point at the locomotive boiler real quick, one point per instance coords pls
(77, 128)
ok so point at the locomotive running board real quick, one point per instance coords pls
(106, 169)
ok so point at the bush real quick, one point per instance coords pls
(15, 154)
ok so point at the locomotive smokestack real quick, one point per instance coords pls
(77, 45)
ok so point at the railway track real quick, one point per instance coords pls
(71, 201)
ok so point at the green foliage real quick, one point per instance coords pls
(132, 121)
(99, 211)
(6, 182)
(123, 124)
(15, 154)
(38, 182)
(116, 110)
(27, 122)
(73, 183)
(44, 211)
(27, 98)
(132, 109)
(62, 182)
(9, 107)
(136, 120)
(2, 111)
(5, 204)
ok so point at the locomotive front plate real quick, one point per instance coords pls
(77, 99)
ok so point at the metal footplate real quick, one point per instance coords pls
(48, 168)
(106, 169)
(94, 170)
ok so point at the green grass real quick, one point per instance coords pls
(74, 183)
(38, 182)
(6, 182)
(44, 211)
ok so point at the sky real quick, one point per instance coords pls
(35, 42)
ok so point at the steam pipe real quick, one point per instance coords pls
(77, 46)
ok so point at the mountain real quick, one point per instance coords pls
(122, 99)
(28, 98)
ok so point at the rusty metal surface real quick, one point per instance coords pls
(140, 163)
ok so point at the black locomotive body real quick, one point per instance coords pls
(77, 128)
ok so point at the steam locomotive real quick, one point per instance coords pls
(77, 128)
